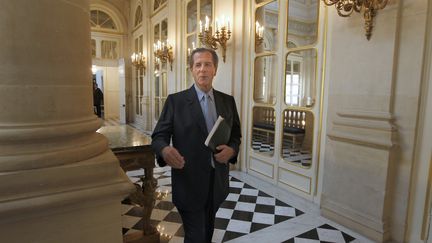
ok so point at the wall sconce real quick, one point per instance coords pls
(220, 36)
(138, 60)
(259, 34)
(369, 8)
(164, 52)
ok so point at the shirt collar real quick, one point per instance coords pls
(201, 93)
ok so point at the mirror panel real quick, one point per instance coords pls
(157, 96)
(156, 33)
(265, 79)
(164, 90)
(164, 85)
(300, 78)
(297, 139)
(303, 22)
(191, 16)
(206, 9)
(191, 44)
(263, 130)
(164, 38)
(267, 16)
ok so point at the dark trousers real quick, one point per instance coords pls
(98, 110)
(199, 225)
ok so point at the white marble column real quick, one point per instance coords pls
(59, 182)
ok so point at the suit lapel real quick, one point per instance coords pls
(220, 104)
(195, 107)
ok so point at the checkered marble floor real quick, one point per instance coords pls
(246, 210)
(294, 155)
(323, 233)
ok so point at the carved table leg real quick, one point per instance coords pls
(145, 197)
(148, 189)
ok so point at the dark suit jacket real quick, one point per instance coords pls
(182, 121)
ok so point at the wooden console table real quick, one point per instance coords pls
(133, 150)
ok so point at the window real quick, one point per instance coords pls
(101, 20)
(105, 35)
(292, 79)
(158, 3)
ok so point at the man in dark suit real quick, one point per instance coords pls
(200, 179)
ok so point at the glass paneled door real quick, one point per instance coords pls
(282, 148)
(160, 34)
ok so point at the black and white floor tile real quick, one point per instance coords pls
(323, 233)
(292, 154)
(246, 210)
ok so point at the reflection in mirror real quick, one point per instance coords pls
(267, 16)
(303, 22)
(191, 44)
(157, 98)
(300, 76)
(206, 10)
(164, 85)
(164, 30)
(191, 16)
(265, 79)
(297, 137)
(164, 38)
(189, 79)
(156, 33)
(263, 130)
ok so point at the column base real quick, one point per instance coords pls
(139, 237)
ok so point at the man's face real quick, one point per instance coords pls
(203, 70)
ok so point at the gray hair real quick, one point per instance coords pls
(201, 50)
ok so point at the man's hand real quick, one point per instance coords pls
(225, 154)
(172, 157)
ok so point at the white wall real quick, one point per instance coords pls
(372, 117)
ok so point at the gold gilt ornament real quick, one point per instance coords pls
(369, 8)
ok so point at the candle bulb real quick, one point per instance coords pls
(207, 23)
(193, 45)
(257, 27)
(200, 29)
(228, 25)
